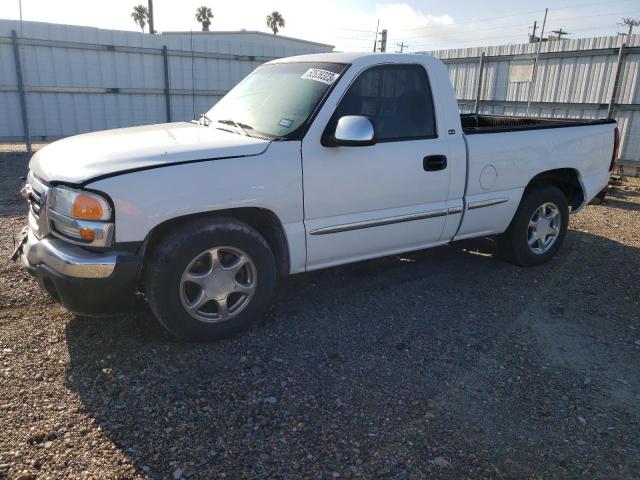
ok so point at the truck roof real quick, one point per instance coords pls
(364, 58)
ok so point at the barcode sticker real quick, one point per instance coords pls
(324, 76)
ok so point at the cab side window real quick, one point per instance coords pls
(396, 98)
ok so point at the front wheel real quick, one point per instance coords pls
(210, 278)
(538, 227)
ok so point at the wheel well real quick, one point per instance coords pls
(264, 221)
(566, 179)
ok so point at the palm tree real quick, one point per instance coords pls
(140, 15)
(204, 16)
(275, 22)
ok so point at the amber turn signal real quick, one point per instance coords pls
(86, 208)
(87, 234)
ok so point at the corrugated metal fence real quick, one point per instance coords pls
(80, 79)
(582, 78)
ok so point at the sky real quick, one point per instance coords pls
(350, 25)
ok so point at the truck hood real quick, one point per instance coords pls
(83, 157)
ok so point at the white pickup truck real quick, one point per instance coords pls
(309, 162)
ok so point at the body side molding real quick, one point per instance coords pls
(487, 203)
(345, 227)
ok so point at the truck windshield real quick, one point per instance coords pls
(275, 100)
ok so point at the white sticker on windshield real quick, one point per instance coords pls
(286, 123)
(324, 76)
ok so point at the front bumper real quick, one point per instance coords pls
(85, 282)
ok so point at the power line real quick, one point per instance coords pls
(514, 26)
(423, 45)
(466, 37)
(352, 30)
(477, 20)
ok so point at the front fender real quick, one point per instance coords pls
(273, 181)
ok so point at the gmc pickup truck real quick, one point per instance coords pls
(309, 162)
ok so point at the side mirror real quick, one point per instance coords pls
(353, 131)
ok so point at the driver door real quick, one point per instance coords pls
(367, 201)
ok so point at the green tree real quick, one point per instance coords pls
(140, 15)
(275, 22)
(204, 16)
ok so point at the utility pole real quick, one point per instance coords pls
(629, 22)
(532, 39)
(402, 47)
(535, 62)
(151, 29)
(375, 42)
(560, 32)
(383, 40)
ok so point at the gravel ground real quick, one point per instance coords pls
(444, 363)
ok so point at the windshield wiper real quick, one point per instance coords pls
(243, 127)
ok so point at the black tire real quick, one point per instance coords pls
(513, 244)
(171, 257)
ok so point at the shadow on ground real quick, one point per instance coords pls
(616, 198)
(443, 362)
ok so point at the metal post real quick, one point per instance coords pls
(21, 94)
(150, 10)
(20, 6)
(375, 42)
(616, 81)
(479, 86)
(532, 82)
(167, 93)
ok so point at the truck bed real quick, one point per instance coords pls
(473, 123)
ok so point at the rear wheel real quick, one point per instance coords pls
(210, 278)
(538, 227)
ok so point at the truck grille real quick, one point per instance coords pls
(34, 203)
(36, 193)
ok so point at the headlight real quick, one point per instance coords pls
(80, 217)
(80, 205)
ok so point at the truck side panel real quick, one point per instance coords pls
(502, 164)
(272, 181)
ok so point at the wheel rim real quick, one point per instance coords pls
(218, 284)
(544, 228)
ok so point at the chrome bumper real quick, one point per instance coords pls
(66, 259)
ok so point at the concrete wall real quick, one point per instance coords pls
(81, 79)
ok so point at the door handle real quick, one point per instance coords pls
(432, 163)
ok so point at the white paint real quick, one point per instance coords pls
(342, 185)
(79, 158)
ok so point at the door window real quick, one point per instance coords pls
(396, 98)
